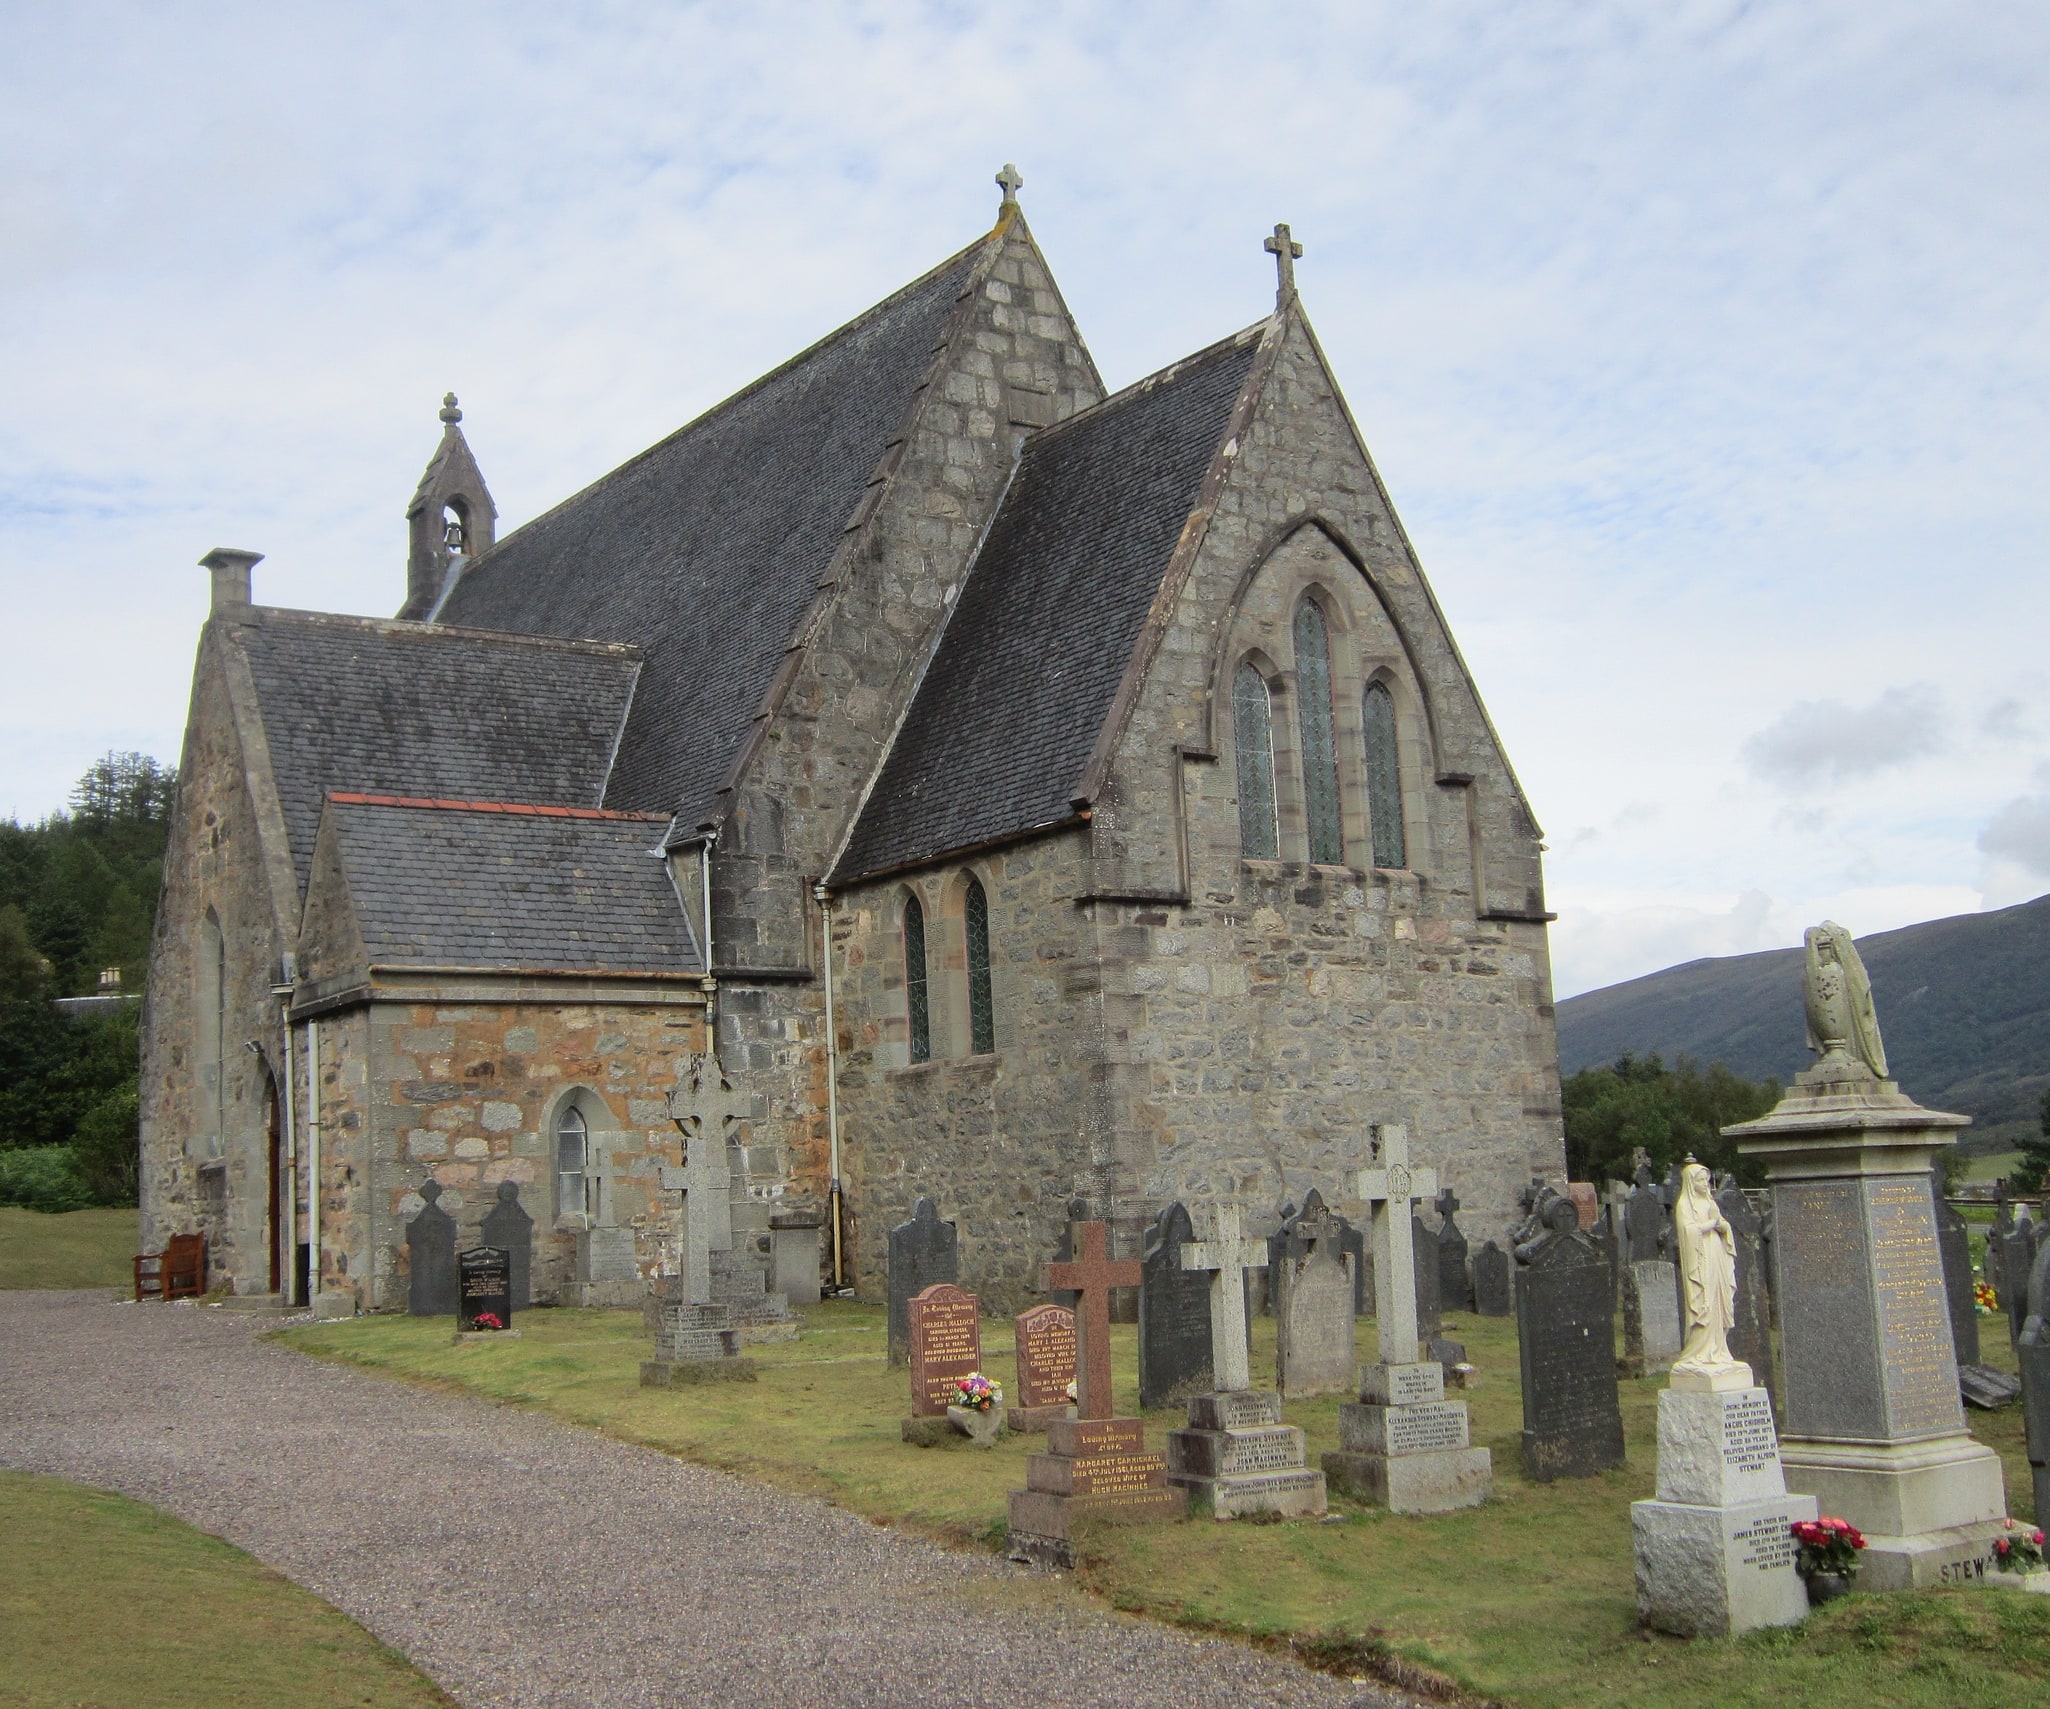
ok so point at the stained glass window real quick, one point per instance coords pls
(1384, 777)
(1252, 730)
(916, 993)
(982, 1019)
(1320, 748)
(572, 1161)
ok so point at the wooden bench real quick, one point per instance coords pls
(176, 1273)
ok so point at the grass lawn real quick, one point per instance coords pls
(106, 1603)
(1528, 1599)
(1992, 1166)
(73, 1249)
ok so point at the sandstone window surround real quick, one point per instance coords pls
(572, 1163)
(1319, 750)
(1252, 722)
(917, 985)
(1379, 732)
(982, 1024)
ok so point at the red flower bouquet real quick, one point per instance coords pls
(2018, 1549)
(1827, 1546)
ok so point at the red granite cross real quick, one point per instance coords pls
(1091, 1275)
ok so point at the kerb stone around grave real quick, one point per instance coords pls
(509, 1226)
(923, 1252)
(1174, 1315)
(1044, 1336)
(1492, 1295)
(1566, 1344)
(945, 1343)
(431, 1258)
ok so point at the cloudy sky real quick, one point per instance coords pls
(1703, 346)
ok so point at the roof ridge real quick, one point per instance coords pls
(1159, 377)
(266, 614)
(527, 809)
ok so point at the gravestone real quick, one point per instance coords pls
(1585, 1202)
(1644, 1219)
(1566, 1340)
(484, 1280)
(1045, 1339)
(1996, 1244)
(923, 1252)
(1955, 1240)
(1263, 1280)
(1352, 1241)
(431, 1248)
(1223, 1260)
(707, 1112)
(1430, 1310)
(1491, 1287)
(2033, 1349)
(1096, 1466)
(1751, 1334)
(607, 1263)
(1174, 1316)
(1455, 1288)
(794, 1237)
(1651, 1317)
(1064, 1248)
(945, 1336)
(508, 1225)
(1403, 1444)
(2017, 1259)
(1315, 1350)
(740, 1282)
(1605, 1236)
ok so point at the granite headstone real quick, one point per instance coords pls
(1566, 1339)
(1643, 1220)
(945, 1335)
(1751, 1334)
(1955, 1239)
(431, 1258)
(509, 1226)
(1174, 1315)
(1491, 1283)
(1455, 1287)
(1315, 1351)
(1045, 1340)
(923, 1252)
(484, 1278)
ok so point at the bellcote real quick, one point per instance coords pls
(450, 520)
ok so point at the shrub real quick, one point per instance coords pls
(43, 1178)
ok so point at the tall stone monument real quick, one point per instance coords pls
(695, 1335)
(1715, 1548)
(1404, 1444)
(1873, 1423)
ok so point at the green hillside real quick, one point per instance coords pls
(1964, 1007)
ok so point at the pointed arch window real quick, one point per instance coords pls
(1319, 747)
(982, 1015)
(917, 994)
(572, 1163)
(1252, 734)
(1384, 777)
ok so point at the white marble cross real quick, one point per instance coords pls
(702, 1106)
(1391, 1190)
(1227, 1256)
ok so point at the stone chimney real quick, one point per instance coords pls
(231, 567)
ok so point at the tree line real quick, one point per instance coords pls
(78, 895)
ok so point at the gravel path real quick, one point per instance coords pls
(523, 1562)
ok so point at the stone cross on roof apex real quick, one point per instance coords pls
(1010, 181)
(1286, 252)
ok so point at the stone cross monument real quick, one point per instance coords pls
(1227, 1255)
(1090, 1275)
(1391, 1190)
(702, 1106)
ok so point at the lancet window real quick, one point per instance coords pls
(1384, 777)
(1319, 746)
(1252, 727)
(917, 992)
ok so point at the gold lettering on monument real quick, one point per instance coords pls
(1914, 1311)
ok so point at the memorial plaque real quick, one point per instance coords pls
(1491, 1288)
(431, 1258)
(1046, 1355)
(510, 1227)
(484, 1278)
(1914, 1314)
(923, 1252)
(1751, 1335)
(1827, 1321)
(1398, 1430)
(1566, 1341)
(946, 1342)
(1954, 1239)
(607, 1254)
(1174, 1315)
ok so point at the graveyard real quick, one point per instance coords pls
(1526, 1599)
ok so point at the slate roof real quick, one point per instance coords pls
(707, 549)
(510, 887)
(362, 704)
(1010, 707)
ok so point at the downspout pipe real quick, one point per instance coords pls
(289, 1235)
(313, 1270)
(832, 1086)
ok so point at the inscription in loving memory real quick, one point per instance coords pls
(1750, 1443)
(1263, 1453)
(1423, 1429)
(1914, 1310)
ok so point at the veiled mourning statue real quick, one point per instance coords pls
(1843, 1028)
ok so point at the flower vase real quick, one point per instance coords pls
(1827, 1587)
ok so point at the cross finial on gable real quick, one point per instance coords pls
(1010, 181)
(1286, 252)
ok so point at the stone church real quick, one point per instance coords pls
(1031, 793)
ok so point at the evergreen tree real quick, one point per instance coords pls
(1672, 1113)
(2032, 1174)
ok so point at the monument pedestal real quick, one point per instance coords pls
(1875, 1427)
(1715, 1551)
(1095, 1469)
(1239, 1457)
(1406, 1447)
(695, 1343)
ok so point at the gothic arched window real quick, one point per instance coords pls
(572, 1163)
(1252, 734)
(1384, 777)
(982, 1017)
(1320, 748)
(917, 995)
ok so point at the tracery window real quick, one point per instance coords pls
(982, 1019)
(917, 995)
(1384, 777)
(1319, 747)
(572, 1163)
(1252, 730)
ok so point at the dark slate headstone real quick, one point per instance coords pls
(1430, 1309)
(1174, 1315)
(2016, 1259)
(1996, 1244)
(923, 1253)
(431, 1249)
(1491, 1289)
(484, 1276)
(1566, 1339)
(1352, 1242)
(1455, 1290)
(1605, 1236)
(1644, 1218)
(1751, 1334)
(509, 1226)
(1954, 1238)
(1064, 1250)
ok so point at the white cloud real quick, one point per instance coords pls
(1827, 741)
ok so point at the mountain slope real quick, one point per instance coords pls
(1964, 1007)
